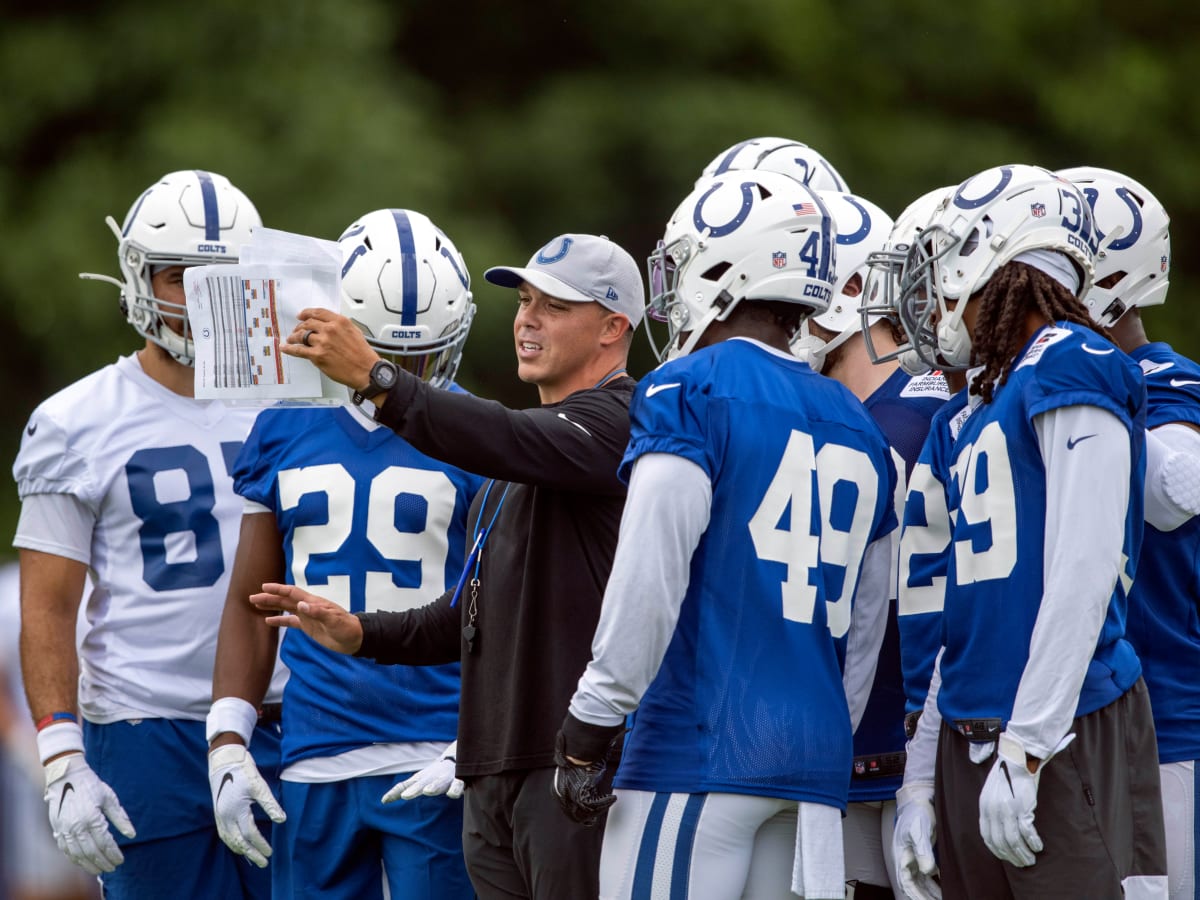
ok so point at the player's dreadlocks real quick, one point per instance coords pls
(1009, 295)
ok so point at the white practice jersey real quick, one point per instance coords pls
(151, 469)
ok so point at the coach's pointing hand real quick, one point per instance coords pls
(334, 344)
(322, 620)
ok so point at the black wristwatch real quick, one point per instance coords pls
(383, 378)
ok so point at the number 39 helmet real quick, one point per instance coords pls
(1135, 243)
(743, 235)
(405, 284)
(985, 223)
(187, 218)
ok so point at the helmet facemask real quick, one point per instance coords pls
(187, 218)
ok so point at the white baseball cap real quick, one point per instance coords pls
(582, 268)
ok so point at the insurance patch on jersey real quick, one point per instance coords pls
(931, 384)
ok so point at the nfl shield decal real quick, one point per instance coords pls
(1037, 209)
(779, 259)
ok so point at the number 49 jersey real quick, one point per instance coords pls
(997, 497)
(749, 696)
(374, 525)
(153, 467)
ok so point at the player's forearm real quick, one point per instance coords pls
(867, 626)
(668, 509)
(1083, 560)
(246, 647)
(51, 589)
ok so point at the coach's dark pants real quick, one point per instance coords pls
(519, 844)
(1099, 812)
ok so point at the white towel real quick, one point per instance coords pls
(819, 869)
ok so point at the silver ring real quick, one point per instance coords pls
(307, 334)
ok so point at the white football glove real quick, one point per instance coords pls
(1008, 800)
(78, 803)
(236, 784)
(912, 842)
(436, 778)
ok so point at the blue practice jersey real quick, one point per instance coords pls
(998, 495)
(902, 407)
(372, 524)
(1164, 603)
(749, 697)
(925, 552)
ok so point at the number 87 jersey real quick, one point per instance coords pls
(151, 470)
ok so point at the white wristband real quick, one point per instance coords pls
(61, 737)
(233, 715)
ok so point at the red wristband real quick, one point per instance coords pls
(48, 720)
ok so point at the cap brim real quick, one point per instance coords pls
(513, 277)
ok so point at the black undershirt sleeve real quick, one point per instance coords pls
(427, 636)
(566, 446)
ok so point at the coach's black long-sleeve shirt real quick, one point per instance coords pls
(544, 564)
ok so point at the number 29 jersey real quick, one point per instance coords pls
(997, 497)
(749, 696)
(154, 468)
(372, 524)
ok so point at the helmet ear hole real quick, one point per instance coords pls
(715, 273)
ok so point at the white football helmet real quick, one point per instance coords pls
(862, 228)
(983, 224)
(405, 284)
(881, 294)
(743, 235)
(771, 154)
(187, 218)
(1135, 243)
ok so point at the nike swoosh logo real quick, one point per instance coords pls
(32, 428)
(227, 779)
(63, 796)
(563, 416)
(1094, 352)
(1071, 442)
(1175, 382)
(656, 388)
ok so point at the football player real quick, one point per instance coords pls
(1132, 268)
(374, 525)
(902, 405)
(125, 474)
(1034, 659)
(758, 494)
(925, 524)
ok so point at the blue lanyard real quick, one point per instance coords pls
(475, 557)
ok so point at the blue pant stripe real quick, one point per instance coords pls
(643, 874)
(682, 864)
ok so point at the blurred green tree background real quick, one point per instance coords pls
(509, 123)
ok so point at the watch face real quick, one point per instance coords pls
(385, 375)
